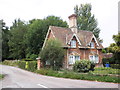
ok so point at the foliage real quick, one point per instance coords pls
(83, 66)
(53, 53)
(17, 45)
(107, 60)
(37, 32)
(115, 66)
(5, 38)
(28, 65)
(73, 75)
(10, 62)
(105, 71)
(85, 20)
(115, 48)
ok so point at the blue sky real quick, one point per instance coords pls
(105, 11)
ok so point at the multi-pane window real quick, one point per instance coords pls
(94, 58)
(73, 59)
(73, 43)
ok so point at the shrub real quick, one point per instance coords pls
(83, 66)
(115, 66)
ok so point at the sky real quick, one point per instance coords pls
(105, 11)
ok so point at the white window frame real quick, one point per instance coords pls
(73, 43)
(72, 59)
(94, 58)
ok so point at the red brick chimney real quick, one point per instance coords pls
(73, 22)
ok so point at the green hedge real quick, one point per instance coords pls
(10, 62)
(115, 66)
(28, 65)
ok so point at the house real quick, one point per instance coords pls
(78, 44)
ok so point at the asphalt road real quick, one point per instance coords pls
(18, 78)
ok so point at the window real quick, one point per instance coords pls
(73, 59)
(73, 43)
(92, 45)
(94, 58)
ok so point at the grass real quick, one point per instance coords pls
(80, 76)
(1, 76)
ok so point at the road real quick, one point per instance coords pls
(18, 78)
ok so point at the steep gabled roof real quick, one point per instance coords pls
(65, 35)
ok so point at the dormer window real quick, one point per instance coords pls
(92, 45)
(73, 43)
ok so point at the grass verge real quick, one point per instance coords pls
(80, 76)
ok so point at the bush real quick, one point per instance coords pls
(83, 66)
(115, 66)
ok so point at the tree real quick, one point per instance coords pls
(85, 20)
(17, 45)
(37, 32)
(115, 48)
(4, 38)
(53, 53)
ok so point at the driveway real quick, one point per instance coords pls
(18, 78)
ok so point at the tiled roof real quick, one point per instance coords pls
(65, 34)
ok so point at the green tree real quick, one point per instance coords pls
(53, 53)
(85, 20)
(5, 40)
(115, 48)
(37, 32)
(17, 45)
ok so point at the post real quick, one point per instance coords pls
(38, 63)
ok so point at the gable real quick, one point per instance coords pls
(77, 39)
(93, 39)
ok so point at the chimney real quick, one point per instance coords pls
(73, 22)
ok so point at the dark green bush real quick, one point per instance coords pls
(83, 66)
(115, 66)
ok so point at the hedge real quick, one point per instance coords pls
(28, 65)
(115, 66)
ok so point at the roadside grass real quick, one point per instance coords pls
(1, 76)
(80, 76)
